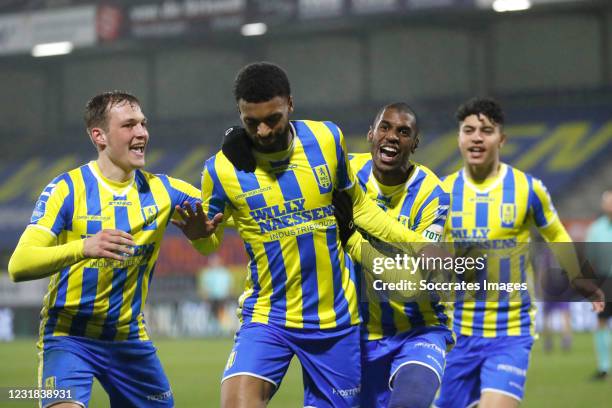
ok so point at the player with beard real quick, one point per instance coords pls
(300, 298)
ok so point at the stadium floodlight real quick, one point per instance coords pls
(254, 29)
(511, 5)
(50, 49)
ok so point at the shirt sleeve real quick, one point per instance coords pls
(37, 255)
(54, 207)
(373, 220)
(544, 214)
(552, 230)
(540, 205)
(366, 214)
(432, 215)
(182, 191)
(214, 201)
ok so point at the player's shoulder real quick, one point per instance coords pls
(429, 174)
(524, 179)
(148, 181)
(66, 181)
(430, 183)
(358, 160)
(323, 131)
(517, 172)
(448, 180)
(218, 163)
(143, 176)
(300, 123)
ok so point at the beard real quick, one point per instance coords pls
(278, 142)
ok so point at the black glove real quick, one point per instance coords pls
(343, 211)
(237, 147)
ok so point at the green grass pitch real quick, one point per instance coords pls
(194, 368)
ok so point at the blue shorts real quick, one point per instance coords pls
(330, 360)
(479, 364)
(129, 371)
(382, 359)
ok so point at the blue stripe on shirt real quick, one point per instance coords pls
(278, 300)
(310, 286)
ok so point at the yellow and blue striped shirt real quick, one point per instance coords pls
(283, 211)
(496, 216)
(421, 205)
(104, 298)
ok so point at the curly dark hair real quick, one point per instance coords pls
(260, 82)
(96, 110)
(481, 106)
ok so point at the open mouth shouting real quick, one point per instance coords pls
(138, 149)
(388, 153)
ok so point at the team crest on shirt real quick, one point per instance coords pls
(149, 213)
(322, 175)
(508, 215)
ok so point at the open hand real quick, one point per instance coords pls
(195, 224)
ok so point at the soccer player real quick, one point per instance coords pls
(299, 298)
(96, 232)
(403, 344)
(493, 205)
(599, 232)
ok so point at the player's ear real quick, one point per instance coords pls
(238, 103)
(416, 143)
(98, 137)
(370, 134)
(290, 104)
(502, 140)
